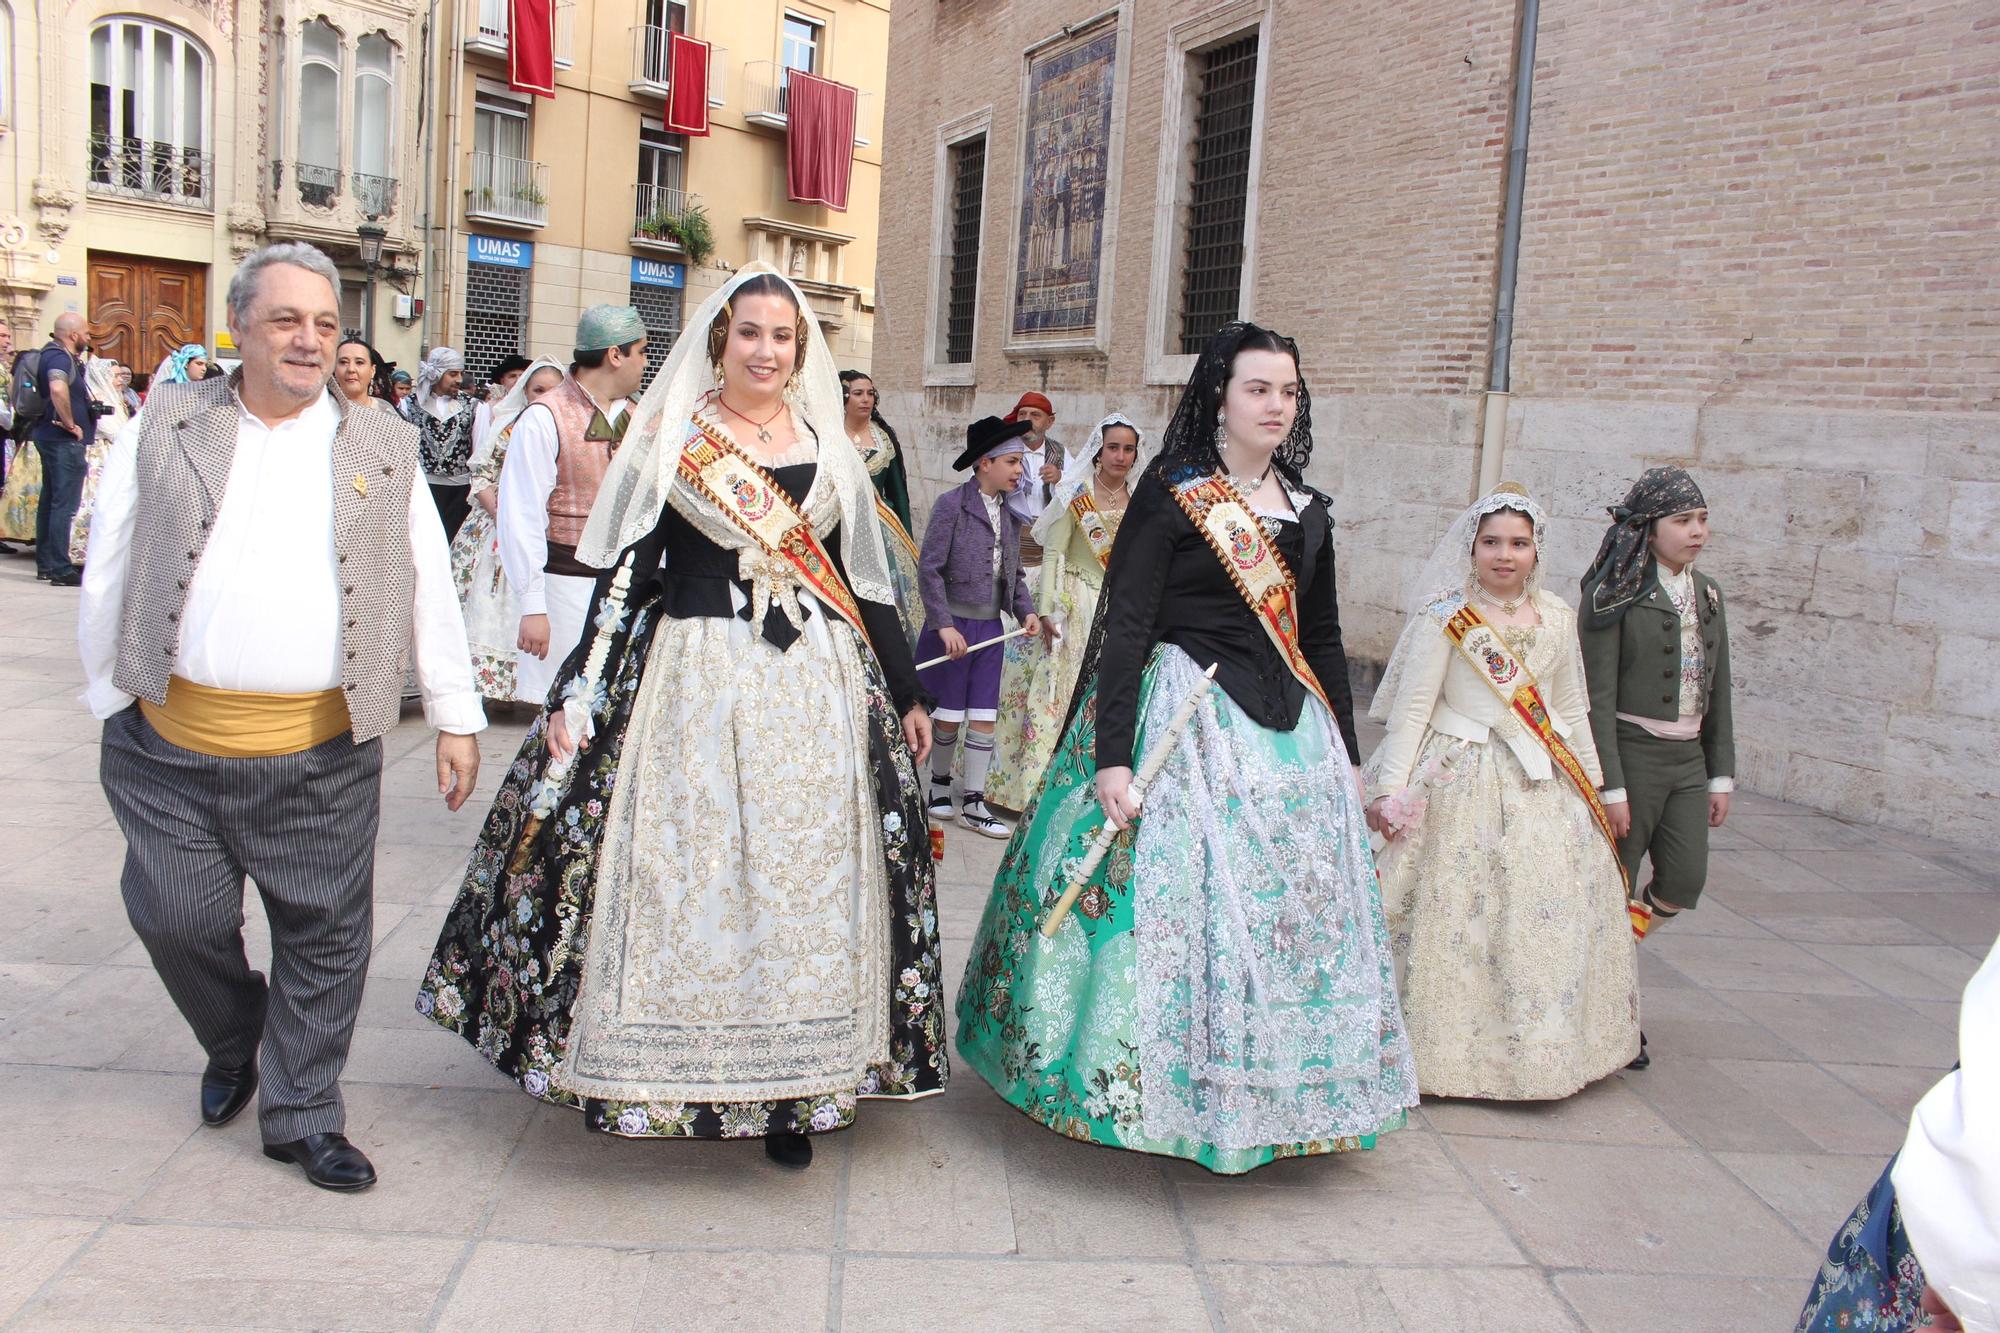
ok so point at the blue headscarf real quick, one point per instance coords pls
(174, 369)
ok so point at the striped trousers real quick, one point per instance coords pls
(303, 827)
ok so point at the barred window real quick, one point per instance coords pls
(660, 310)
(967, 171)
(1225, 79)
(496, 312)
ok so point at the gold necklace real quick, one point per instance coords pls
(1098, 493)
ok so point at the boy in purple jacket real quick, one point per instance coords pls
(970, 571)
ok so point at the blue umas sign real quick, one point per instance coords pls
(654, 273)
(499, 252)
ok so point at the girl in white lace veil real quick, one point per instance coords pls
(1446, 577)
(1079, 468)
(644, 477)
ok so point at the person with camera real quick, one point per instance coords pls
(58, 435)
(444, 414)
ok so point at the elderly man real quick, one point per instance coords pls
(260, 558)
(559, 451)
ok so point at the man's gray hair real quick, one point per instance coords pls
(243, 287)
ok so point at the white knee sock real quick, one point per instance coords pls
(978, 758)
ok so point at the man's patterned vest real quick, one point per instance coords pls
(186, 443)
(580, 462)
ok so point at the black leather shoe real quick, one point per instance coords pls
(66, 580)
(793, 1150)
(1641, 1060)
(331, 1162)
(224, 1091)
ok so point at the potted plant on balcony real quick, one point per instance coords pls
(687, 228)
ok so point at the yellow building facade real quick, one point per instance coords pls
(145, 149)
(550, 205)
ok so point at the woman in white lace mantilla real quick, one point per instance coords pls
(1505, 901)
(722, 924)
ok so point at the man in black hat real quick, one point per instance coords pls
(968, 572)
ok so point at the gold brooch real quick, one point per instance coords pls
(361, 485)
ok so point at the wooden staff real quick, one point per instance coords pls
(1107, 834)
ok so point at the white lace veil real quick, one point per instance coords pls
(644, 474)
(515, 400)
(1078, 470)
(1446, 574)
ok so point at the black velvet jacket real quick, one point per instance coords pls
(1165, 585)
(691, 577)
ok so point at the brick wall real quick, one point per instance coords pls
(1760, 240)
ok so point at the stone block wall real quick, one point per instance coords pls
(1759, 241)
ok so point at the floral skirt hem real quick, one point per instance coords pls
(508, 964)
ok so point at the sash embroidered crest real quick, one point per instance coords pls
(1090, 522)
(1510, 679)
(1254, 565)
(745, 494)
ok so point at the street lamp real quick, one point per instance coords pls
(371, 235)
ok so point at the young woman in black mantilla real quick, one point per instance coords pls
(723, 923)
(1223, 991)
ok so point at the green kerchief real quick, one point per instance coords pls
(604, 326)
(600, 429)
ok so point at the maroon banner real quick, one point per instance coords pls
(820, 139)
(687, 90)
(531, 47)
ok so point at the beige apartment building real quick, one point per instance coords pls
(548, 205)
(1754, 240)
(145, 149)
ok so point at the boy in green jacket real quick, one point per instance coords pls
(1656, 658)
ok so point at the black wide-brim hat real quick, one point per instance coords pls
(985, 435)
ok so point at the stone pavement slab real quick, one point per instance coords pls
(1794, 1021)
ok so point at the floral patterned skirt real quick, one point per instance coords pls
(508, 970)
(1506, 910)
(1223, 992)
(492, 618)
(1870, 1281)
(1035, 689)
(22, 494)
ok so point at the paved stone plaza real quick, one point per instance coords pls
(1793, 1021)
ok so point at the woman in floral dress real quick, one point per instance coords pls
(722, 923)
(1223, 991)
(100, 378)
(492, 619)
(1075, 532)
(1505, 900)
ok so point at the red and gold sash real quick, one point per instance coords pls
(896, 529)
(1254, 565)
(1090, 522)
(745, 494)
(1510, 678)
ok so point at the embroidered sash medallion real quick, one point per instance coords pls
(1090, 522)
(1254, 565)
(1510, 679)
(745, 494)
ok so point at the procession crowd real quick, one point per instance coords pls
(702, 902)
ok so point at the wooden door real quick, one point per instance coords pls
(142, 309)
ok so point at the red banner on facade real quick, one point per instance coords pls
(687, 89)
(531, 47)
(820, 139)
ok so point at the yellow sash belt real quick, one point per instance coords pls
(245, 724)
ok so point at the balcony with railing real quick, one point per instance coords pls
(652, 74)
(144, 169)
(487, 29)
(509, 190)
(764, 88)
(660, 217)
(374, 196)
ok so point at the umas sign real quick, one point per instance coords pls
(499, 252)
(653, 273)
